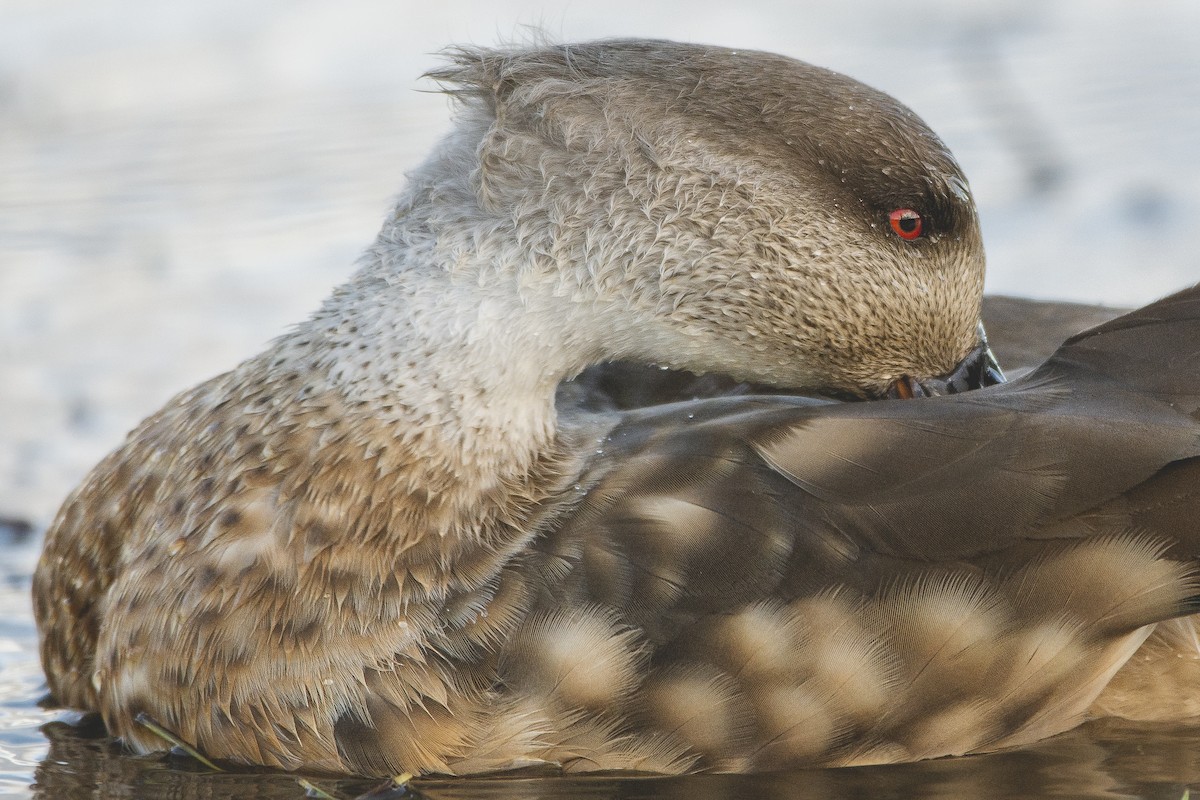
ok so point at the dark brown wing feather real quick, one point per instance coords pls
(1154, 350)
(942, 479)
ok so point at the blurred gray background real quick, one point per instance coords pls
(180, 181)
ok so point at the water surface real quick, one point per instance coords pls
(1100, 760)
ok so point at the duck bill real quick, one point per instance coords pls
(977, 370)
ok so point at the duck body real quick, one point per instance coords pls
(850, 606)
(381, 546)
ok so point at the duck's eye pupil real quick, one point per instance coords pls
(906, 223)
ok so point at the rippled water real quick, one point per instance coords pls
(179, 181)
(1100, 760)
(22, 744)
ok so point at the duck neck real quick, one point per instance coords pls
(452, 377)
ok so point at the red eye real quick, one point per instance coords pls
(906, 223)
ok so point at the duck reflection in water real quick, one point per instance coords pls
(391, 544)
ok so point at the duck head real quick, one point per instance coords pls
(719, 210)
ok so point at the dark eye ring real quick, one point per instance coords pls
(906, 223)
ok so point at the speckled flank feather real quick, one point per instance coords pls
(381, 547)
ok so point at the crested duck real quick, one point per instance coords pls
(393, 543)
